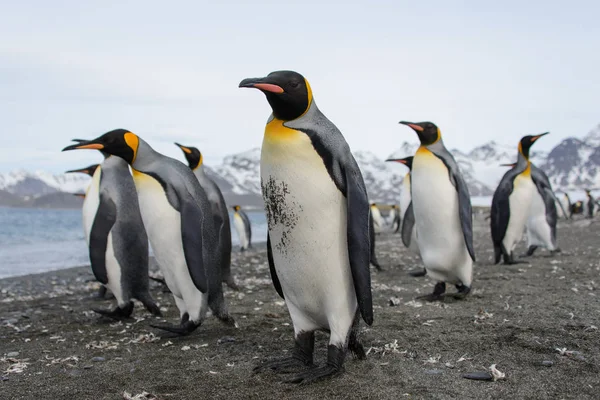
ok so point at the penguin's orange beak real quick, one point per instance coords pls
(413, 126)
(261, 84)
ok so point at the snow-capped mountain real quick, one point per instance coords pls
(574, 164)
(34, 184)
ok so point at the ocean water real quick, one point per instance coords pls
(39, 240)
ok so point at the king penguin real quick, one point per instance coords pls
(175, 211)
(243, 227)
(116, 237)
(377, 219)
(443, 215)
(90, 170)
(318, 226)
(566, 205)
(394, 218)
(409, 233)
(591, 203)
(218, 207)
(511, 203)
(543, 215)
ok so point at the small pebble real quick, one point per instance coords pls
(479, 376)
(87, 367)
(434, 372)
(547, 363)
(394, 301)
(226, 339)
(98, 359)
(13, 354)
(3, 378)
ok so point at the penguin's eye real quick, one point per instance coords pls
(294, 84)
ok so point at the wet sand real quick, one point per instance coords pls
(538, 322)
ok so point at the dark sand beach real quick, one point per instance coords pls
(537, 322)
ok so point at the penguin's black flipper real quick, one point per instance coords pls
(247, 226)
(408, 224)
(184, 329)
(274, 277)
(191, 235)
(105, 218)
(500, 212)
(373, 256)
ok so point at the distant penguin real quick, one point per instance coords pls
(511, 204)
(443, 214)
(243, 227)
(591, 203)
(394, 218)
(116, 238)
(409, 233)
(577, 207)
(377, 218)
(175, 210)
(219, 210)
(543, 215)
(565, 205)
(318, 218)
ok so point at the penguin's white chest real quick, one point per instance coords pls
(405, 195)
(377, 219)
(539, 232)
(240, 227)
(437, 220)
(520, 204)
(307, 227)
(91, 204)
(163, 226)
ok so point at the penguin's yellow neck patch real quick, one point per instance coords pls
(275, 131)
(132, 141)
(423, 151)
(527, 171)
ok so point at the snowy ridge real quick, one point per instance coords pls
(572, 165)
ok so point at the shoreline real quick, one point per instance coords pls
(537, 322)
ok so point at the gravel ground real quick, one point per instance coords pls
(538, 323)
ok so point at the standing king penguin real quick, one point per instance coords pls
(243, 227)
(511, 203)
(178, 218)
(394, 218)
(443, 215)
(543, 215)
(590, 204)
(318, 221)
(116, 237)
(90, 170)
(377, 219)
(219, 210)
(409, 233)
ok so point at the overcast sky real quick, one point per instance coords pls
(169, 71)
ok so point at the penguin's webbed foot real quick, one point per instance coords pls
(231, 283)
(377, 266)
(418, 273)
(333, 367)
(302, 356)
(462, 292)
(183, 329)
(284, 366)
(438, 293)
(118, 313)
(556, 251)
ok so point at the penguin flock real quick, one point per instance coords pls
(321, 225)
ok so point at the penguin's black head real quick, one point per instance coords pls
(192, 155)
(427, 131)
(406, 161)
(526, 143)
(87, 170)
(236, 208)
(287, 92)
(120, 142)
